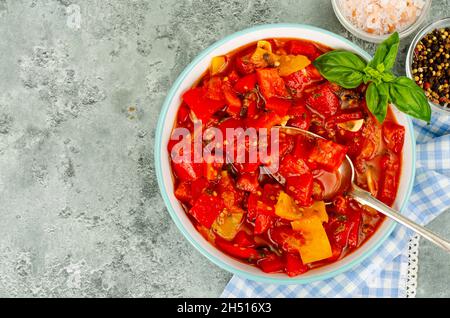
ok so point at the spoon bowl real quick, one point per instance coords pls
(345, 184)
(343, 178)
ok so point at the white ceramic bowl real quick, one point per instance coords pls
(167, 117)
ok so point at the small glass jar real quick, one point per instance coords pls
(442, 23)
(377, 38)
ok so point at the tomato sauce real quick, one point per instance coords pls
(249, 215)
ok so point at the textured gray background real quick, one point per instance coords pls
(81, 86)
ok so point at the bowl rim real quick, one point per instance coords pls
(409, 56)
(216, 260)
(376, 38)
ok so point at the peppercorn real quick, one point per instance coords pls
(431, 66)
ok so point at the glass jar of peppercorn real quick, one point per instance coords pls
(428, 63)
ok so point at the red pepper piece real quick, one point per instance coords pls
(202, 106)
(197, 187)
(187, 171)
(252, 109)
(237, 251)
(303, 147)
(286, 144)
(313, 73)
(270, 83)
(299, 47)
(390, 173)
(245, 84)
(183, 114)
(343, 226)
(213, 88)
(264, 120)
(262, 223)
(233, 102)
(261, 209)
(353, 236)
(293, 166)
(300, 188)
(206, 209)
(244, 66)
(265, 207)
(229, 123)
(252, 203)
(338, 228)
(244, 240)
(298, 81)
(247, 167)
(294, 265)
(327, 155)
(300, 115)
(341, 118)
(279, 105)
(272, 263)
(233, 77)
(286, 238)
(270, 194)
(183, 192)
(323, 100)
(394, 136)
(248, 182)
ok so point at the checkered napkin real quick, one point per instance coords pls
(384, 273)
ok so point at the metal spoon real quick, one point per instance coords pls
(347, 184)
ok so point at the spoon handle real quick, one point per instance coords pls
(366, 198)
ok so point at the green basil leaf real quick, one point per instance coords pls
(388, 77)
(377, 96)
(341, 67)
(373, 75)
(409, 98)
(386, 53)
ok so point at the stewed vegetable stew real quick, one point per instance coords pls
(246, 213)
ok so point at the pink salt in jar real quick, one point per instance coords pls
(375, 20)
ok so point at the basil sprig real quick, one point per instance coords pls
(349, 71)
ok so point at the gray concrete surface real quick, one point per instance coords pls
(81, 86)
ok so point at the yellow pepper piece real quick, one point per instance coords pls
(286, 208)
(228, 223)
(318, 209)
(316, 246)
(265, 45)
(206, 233)
(218, 64)
(263, 56)
(292, 63)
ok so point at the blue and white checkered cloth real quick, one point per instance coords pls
(384, 273)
